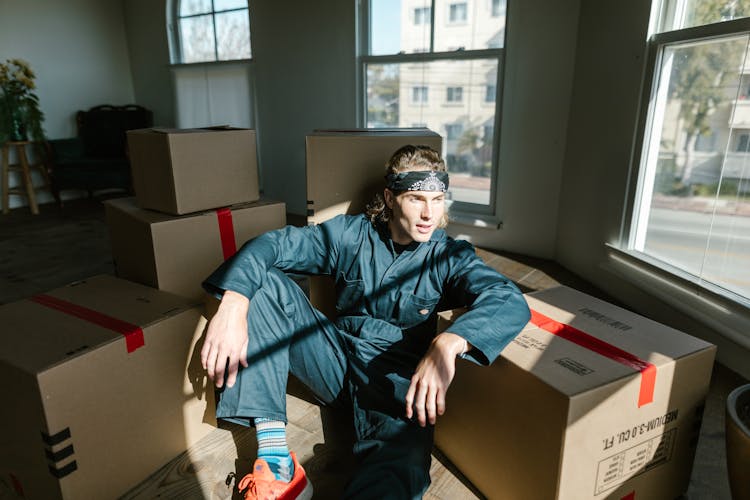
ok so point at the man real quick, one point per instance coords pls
(394, 269)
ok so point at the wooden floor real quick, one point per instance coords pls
(38, 253)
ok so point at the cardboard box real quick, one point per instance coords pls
(608, 406)
(176, 253)
(180, 171)
(102, 386)
(345, 169)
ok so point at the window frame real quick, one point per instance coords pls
(723, 310)
(461, 212)
(175, 45)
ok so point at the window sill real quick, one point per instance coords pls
(486, 221)
(720, 310)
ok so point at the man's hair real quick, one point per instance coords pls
(405, 159)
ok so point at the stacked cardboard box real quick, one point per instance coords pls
(589, 401)
(105, 374)
(103, 385)
(196, 202)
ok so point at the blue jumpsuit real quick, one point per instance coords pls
(386, 303)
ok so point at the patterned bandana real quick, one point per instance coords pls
(418, 180)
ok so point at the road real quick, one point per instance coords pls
(681, 238)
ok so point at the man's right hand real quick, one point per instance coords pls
(226, 339)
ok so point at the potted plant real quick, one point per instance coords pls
(738, 441)
(20, 116)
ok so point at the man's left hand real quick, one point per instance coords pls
(434, 373)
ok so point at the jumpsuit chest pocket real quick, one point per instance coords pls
(349, 293)
(415, 309)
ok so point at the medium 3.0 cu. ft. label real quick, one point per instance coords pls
(636, 460)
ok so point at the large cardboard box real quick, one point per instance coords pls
(589, 401)
(176, 253)
(345, 169)
(102, 386)
(180, 171)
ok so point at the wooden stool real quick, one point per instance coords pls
(24, 167)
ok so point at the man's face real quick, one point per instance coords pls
(416, 215)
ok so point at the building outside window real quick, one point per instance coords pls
(211, 62)
(691, 207)
(454, 94)
(403, 62)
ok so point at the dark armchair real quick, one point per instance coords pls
(97, 158)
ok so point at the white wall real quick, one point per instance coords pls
(148, 46)
(540, 58)
(305, 79)
(78, 51)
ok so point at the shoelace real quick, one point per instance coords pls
(248, 485)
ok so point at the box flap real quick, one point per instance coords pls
(346, 168)
(168, 131)
(378, 132)
(588, 342)
(36, 336)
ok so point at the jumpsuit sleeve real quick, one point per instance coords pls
(497, 310)
(305, 250)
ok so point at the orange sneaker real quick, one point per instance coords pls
(261, 484)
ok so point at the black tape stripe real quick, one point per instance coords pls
(310, 212)
(61, 454)
(54, 439)
(63, 471)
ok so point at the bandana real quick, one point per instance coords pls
(418, 180)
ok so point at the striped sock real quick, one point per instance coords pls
(272, 447)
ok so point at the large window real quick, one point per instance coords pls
(436, 62)
(691, 209)
(212, 70)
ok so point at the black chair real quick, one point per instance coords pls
(97, 158)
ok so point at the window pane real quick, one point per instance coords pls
(699, 12)
(404, 94)
(233, 35)
(382, 95)
(399, 26)
(220, 5)
(695, 214)
(197, 37)
(192, 7)
(469, 25)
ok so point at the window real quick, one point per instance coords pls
(497, 8)
(210, 30)
(489, 93)
(422, 15)
(419, 95)
(202, 33)
(457, 12)
(400, 60)
(691, 209)
(453, 131)
(454, 94)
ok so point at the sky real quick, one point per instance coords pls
(385, 17)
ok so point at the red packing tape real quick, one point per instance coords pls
(647, 370)
(133, 333)
(226, 230)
